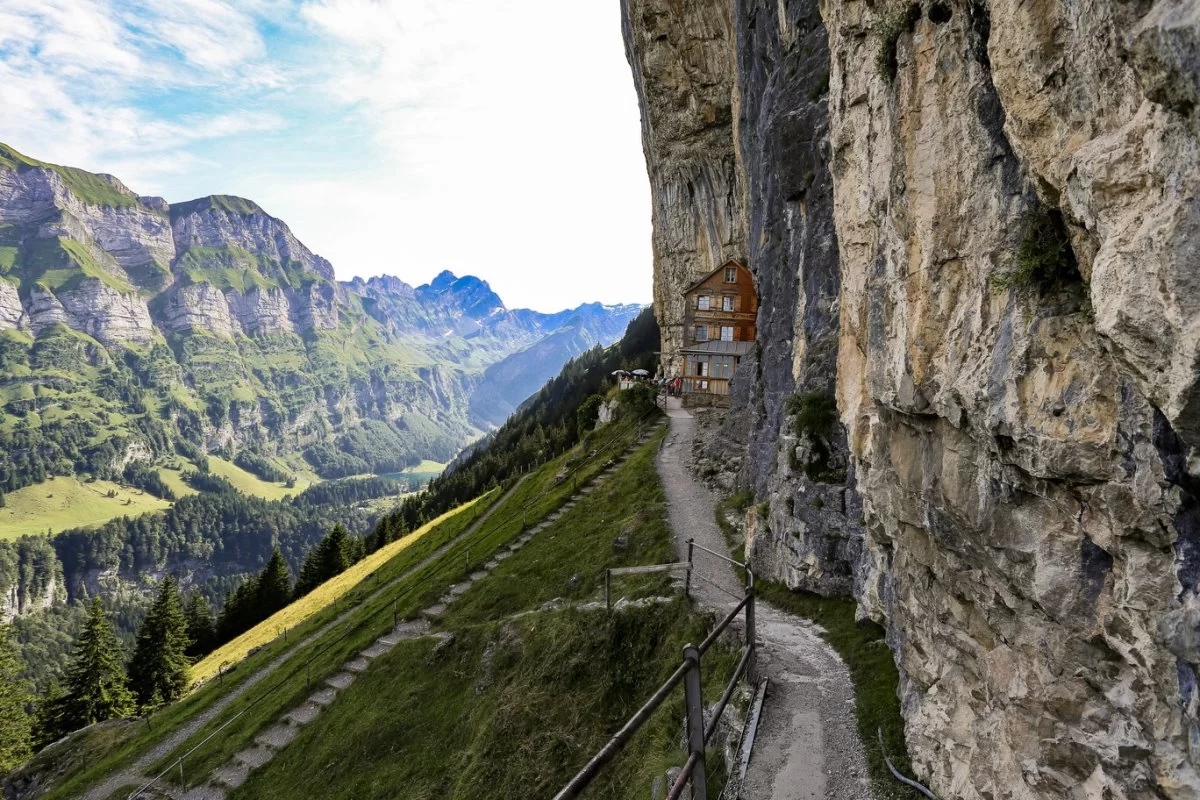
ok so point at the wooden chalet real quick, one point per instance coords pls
(720, 318)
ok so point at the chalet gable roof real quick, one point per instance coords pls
(732, 261)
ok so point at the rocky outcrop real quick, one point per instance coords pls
(198, 306)
(1023, 453)
(683, 66)
(12, 313)
(796, 455)
(135, 236)
(1013, 191)
(222, 222)
(106, 314)
(102, 312)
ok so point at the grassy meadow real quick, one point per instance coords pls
(60, 503)
(249, 483)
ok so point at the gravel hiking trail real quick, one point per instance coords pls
(134, 774)
(807, 747)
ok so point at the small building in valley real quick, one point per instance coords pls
(721, 311)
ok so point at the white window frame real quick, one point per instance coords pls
(728, 304)
(701, 333)
(726, 333)
(702, 302)
(731, 274)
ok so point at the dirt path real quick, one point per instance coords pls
(807, 747)
(135, 774)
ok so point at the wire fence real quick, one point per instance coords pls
(614, 434)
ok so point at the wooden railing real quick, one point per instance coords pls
(688, 673)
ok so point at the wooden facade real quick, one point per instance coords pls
(720, 318)
(721, 306)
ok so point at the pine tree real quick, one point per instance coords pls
(334, 552)
(383, 534)
(15, 728)
(201, 626)
(160, 669)
(48, 725)
(329, 558)
(237, 613)
(95, 679)
(274, 589)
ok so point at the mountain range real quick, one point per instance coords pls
(133, 329)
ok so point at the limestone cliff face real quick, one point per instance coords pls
(221, 222)
(682, 59)
(1022, 442)
(12, 314)
(797, 459)
(1023, 454)
(135, 235)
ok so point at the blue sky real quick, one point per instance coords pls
(493, 137)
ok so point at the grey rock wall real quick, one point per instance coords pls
(1023, 453)
(1020, 490)
(811, 538)
(682, 58)
(206, 224)
(12, 313)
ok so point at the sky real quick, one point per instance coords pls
(498, 138)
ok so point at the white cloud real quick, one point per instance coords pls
(497, 138)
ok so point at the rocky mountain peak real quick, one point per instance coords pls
(224, 203)
(385, 284)
(472, 295)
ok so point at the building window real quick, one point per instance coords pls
(702, 368)
(727, 304)
(702, 302)
(731, 274)
(726, 333)
(701, 333)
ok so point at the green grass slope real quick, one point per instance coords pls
(521, 696)
(60, 503)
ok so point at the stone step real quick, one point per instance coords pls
(323, 697)
(205, 792)
(231, 775)
(435, 610)
(302, 715)
(254, 757)
(381, 646)
(277, 737)
(340, 680)
(479, 575)
(359, 664)
(410, 629)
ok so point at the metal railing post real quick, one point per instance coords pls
(181, 782)
(695, 721)
(608, 590)
(687, 582)
(752, 664)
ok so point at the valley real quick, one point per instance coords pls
(174, 377)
